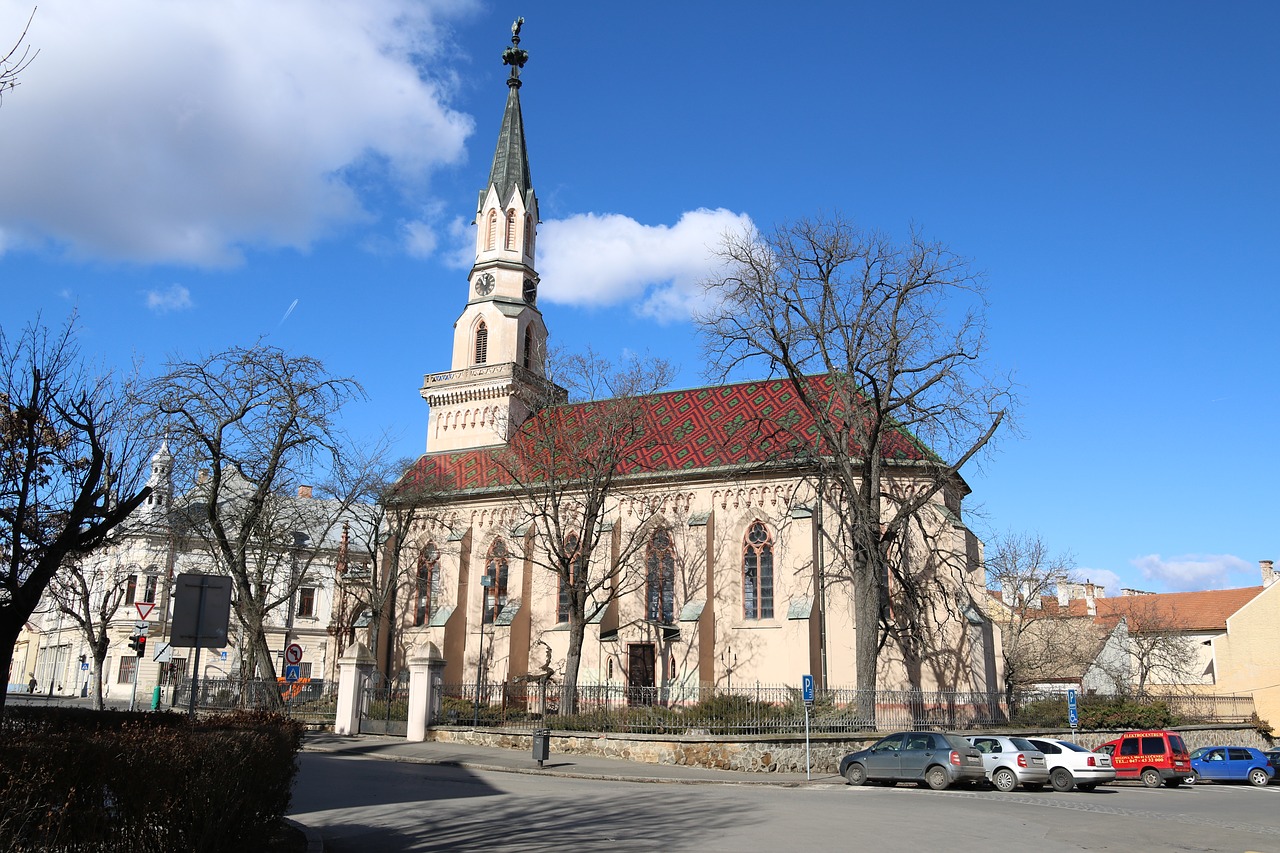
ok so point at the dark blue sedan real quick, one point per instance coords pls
(1231, 764)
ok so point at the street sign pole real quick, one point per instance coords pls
(807, 689)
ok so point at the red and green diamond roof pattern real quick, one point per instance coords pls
(729, 426)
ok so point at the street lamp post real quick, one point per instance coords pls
(485, 583)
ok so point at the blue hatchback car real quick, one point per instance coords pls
(1230, 764)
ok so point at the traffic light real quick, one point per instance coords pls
(142, 646)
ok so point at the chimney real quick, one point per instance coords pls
(304, 491)
(1268, 572)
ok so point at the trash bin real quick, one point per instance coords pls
(541, 745)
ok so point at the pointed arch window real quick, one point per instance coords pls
(482, 343)
(528, 348)
(495, 569)
(660, 577)
(577, 568)
(528, 234)
(511, 230)
(427, 586)
(757, 573)
(491, 231)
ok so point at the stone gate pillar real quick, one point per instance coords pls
(426, 673)
(354, 669)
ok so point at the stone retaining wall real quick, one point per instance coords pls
(773, 754)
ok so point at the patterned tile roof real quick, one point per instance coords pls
(701, 428)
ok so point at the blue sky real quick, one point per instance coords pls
(307, 171)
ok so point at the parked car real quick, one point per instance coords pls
(1156, 757)
(1011, 761)
(936, 759)
(1073, 766)
(1231, 764)
(1273, 758)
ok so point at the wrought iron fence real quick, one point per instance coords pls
(311, 702)
(757, 709)
(384, 709)
(1049, 708)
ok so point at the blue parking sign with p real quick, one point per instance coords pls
(1073, 718)
(806, 682)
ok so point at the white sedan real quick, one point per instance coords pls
(1073, 766)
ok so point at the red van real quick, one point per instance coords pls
(1156, 757)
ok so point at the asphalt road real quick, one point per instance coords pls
(365, 804)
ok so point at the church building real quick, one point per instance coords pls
(720, 572)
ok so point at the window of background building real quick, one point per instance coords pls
(427, 581)
(577, 563)
(149, 591)
(130, 589)
(128, 665)
(307, 602)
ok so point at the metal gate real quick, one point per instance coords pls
(384, 707)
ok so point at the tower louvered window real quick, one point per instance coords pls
(528, 234)
(757, 573)
(528, 348)
(482, 343)
(491, 234)
(511, 230)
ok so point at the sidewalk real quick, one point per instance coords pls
(575, 766)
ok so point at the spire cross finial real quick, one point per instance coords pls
(514, 56)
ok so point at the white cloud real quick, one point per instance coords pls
(176, 298)
(183, 132)
(592, 259)
(419, 239)
(1195, 571)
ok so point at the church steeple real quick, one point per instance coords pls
(158, 506)
(510, 171)
(499, 342)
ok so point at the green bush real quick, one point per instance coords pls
(72, 779)
(1122, 713)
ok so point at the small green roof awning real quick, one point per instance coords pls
(440, 617)
(800, 608)
(508, 613)
(692, 611)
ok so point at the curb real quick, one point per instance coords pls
(315, 842)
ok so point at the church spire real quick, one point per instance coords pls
(510, 171)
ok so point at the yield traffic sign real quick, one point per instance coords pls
(144, 608)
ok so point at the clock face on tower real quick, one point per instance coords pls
(484, 284)
(530, 291)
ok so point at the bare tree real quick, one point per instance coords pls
(90, 592)
(1161, 653)
(16, 59)
(67, 467)
(257, 423)
(884, 347)
(1038, 644)
(376, 532)
(571, 465)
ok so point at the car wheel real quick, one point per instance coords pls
(1004, 780)
(1087, 786)
(1258, 777)
(1194, 778)
(1151, 778)
(856, 774)
(1062, 780)
(936, 778)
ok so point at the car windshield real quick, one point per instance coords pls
(1022, 743)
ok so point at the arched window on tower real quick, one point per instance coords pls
(482, 343)
(528, 234)
(491, 231)
(511, 230)
(426, 597)
(528, 348)
(757, 573)
(495, 569)
(660, 578)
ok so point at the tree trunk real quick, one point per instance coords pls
(572, 662)
(866, 609)
(8, 639)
